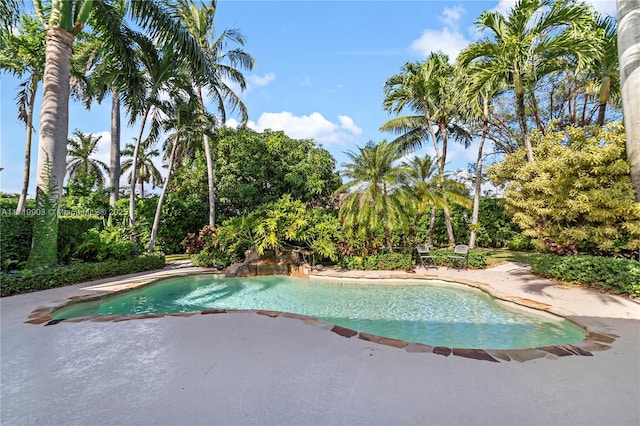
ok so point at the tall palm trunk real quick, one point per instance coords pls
(478, 187)
(443, 160)
(54, 125)
(134, 171)
(156, 217)
(209, 160)
(432, 222)
(522, 119)
(114, 165)
(603, 98)
(33, 88)
(432, 226)
(629, 52)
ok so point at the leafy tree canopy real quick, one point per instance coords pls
(252, 169)
(577, 195)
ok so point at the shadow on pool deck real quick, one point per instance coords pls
(257, 369)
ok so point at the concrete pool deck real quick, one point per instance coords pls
(242, 368)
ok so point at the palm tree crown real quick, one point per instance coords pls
(536, 38)
(80, 164)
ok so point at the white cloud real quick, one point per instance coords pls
(451, 15)
(448, 39)
(260, 81)
(313, 126)
(347, 123)
(232, 123)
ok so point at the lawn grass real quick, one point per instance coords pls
(497, 256)
(175, 257)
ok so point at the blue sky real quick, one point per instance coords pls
(320, 69)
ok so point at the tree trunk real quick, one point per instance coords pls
(114, 165)
(443, 161)
(478, 190)
(27, 155)
(605, 90)
(447, 223)
(522, 119)
(432, 226)
(629, 54)
(156, 217)
(52, 152)
(134, 171)
(209, 159)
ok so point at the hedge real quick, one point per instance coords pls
(620, 276)
(16, 233)
(27, 281)
(404, 261)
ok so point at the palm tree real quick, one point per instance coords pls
(147, 170)
(224, 67)
(9, 13)
(107, 76)
(23, 54)
(628, 52)
(163, 74)
(184, 122)
(63, 20)
(428, 88)
(476, 99)
(80, 164)
(605, 66)
(536, 38)
(421, 184)
(372, 198)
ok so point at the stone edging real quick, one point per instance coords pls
(593, 342)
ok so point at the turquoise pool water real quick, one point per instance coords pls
(433, 313)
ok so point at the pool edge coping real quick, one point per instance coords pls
(594, 341)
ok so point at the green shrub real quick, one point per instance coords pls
(380, 261)
(15, 241)
(210, 260)
(16, 234)
(477, 258)
(71, 233)
(110, 243)
(404, 261)
(29, 280)
(620, 276)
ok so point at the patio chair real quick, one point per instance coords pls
(426, 259)
(460, 257)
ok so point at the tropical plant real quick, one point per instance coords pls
(577, 195)
(147, 171)
(421, 185)
(22, 53)
(163, 74)
(536, 38)
(371, 196)
(63, 20)
(184, 121)
(476, 103)
(253, 169)
(224, 71)
(628, 47)
(80, 165)
(106, 76)
(428, 89)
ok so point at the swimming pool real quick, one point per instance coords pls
(432, 312)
